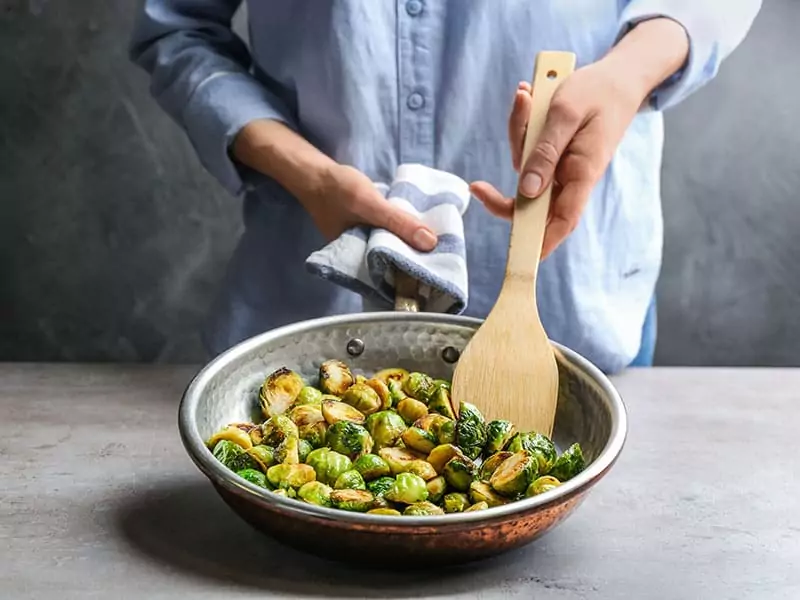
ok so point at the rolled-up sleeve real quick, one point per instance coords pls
(200, 75)
(714, 27)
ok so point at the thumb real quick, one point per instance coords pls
(537, 172)
(403, 224)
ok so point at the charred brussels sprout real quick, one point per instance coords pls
(306, 414)
(490, 465)
(419, 386)
(335, 411)
(278, 428)
(350, 480)
(422, 509)
(515, 474)
(328, 465)
(459, 473)
(477, 506)
(385, 511)
(396, 375)
(541, 485)
(442, 454)
(371, 466)
(408, 489)
(536, 445)
(382, 390)
(398, 459)
(314, 434)
(279, 391)
(380, 486)
(263, 455)
(422, 468)
(447, 433)
(385, 427)
(290, 476)
(335, 377)
(411, 410)
(436, 488)
(232, 434)
(288, 451)
(308, 396)
(482, 492)
(440, 403)
(363, 398)
(455, 502)
(315, 492)
(349, 439)
(470, 430)
(352, 500)
(256, 477)
(396, 394)
(304, 448)
(419, 440)
(430, 423)
(569, 464)
(498, 435)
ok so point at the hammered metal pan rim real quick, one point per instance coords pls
(205, 461)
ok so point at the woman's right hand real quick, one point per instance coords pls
(336, 197)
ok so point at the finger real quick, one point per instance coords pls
(524, 86)
(517, 123)
(493, 200)
(565, 214)
(561, 125)
(401, 223)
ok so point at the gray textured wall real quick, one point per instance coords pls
(112, 238)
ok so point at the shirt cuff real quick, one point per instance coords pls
(703, 60)
(218, 109)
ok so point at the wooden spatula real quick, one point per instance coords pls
(508, 369)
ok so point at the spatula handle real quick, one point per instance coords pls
(530, 215)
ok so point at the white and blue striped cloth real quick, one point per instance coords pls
(363, 259)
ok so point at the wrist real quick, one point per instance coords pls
(649, 54)
(273, 149)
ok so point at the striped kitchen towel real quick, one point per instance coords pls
(363, 259)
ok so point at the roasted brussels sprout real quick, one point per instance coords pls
(396, 394)
(422, 468)
(482, 492)
(387, 375)
(447, 433)
(515, 474)
(349, 439)
(352, 500)
(419, 386)
(385, 511)
(569, 464)
(411, 410)
(436, 488)
(382, 390)
(350, 480)
(470, 430)
(314, 434)
(233, 456)
(278, 428)
(288, 492)
(430, 423)
(459, 473)
(306, 414)
(335, 411)
(288, 451)
(536, 445)
(363, 398)
(455, 502)
(398, 459)
(279, 391)
(293, 476)
(380, 486)
(419, 440)
(440, 402)
(541, 485)
(440, 455)
(490, 465)
(232, 434)
(304, 448)
(328, 465)
(256, 477)
(422, 509)
(263, 455)
(371, 466)
(335, 377)
(385, 427)
(407, 489)
(477, 506)
(308, 396)
(498, 434)
(315, 492)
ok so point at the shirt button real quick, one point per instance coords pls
(414, 7)
(415, 101)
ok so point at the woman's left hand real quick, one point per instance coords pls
(587, 119)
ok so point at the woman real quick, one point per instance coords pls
(334, 94)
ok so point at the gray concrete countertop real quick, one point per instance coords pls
(98, 499)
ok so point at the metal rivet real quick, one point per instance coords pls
(355, 347)
(450, 355)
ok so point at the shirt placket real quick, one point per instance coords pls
(415, 73)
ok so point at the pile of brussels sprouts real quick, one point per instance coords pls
(388, 445)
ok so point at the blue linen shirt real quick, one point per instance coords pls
(376, 83)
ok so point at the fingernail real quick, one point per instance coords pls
(423, 238)
(530, 185)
